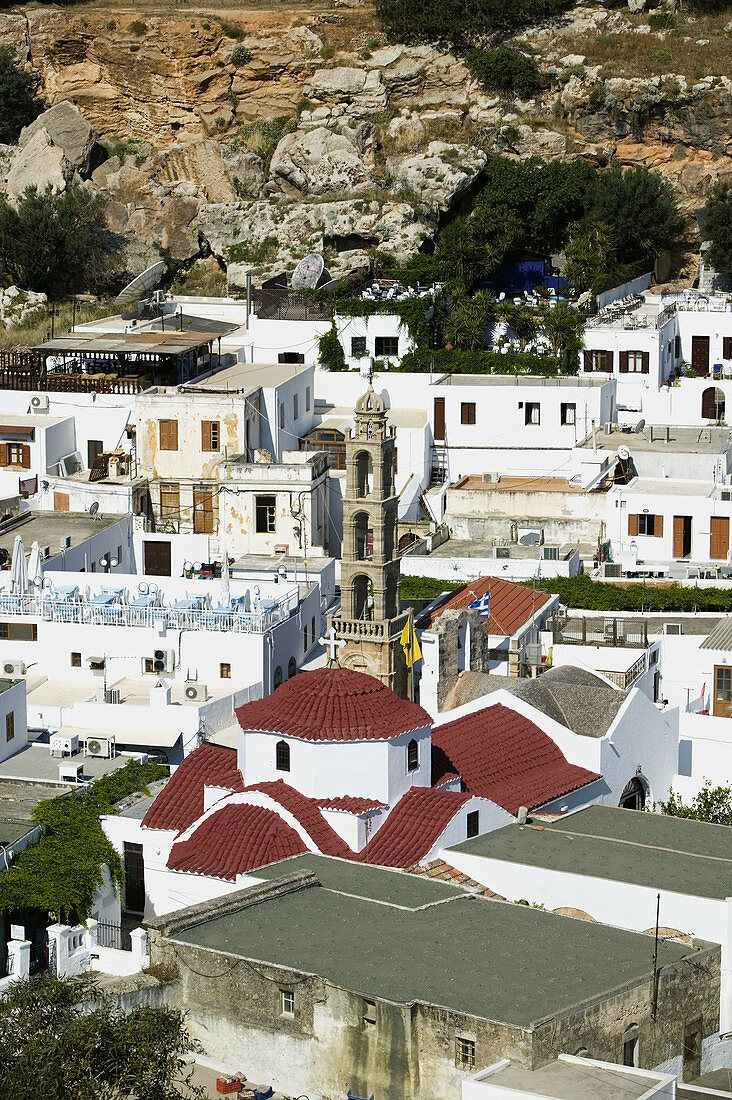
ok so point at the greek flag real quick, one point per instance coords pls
(482, 604)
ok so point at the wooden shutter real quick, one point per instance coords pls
(205, 435)
(25, 456)
(623, 362)
(633, 525)
(60, 502)
(658, 526)
(727, 347)
(608, 361)
(645, 362)
(3, 454)
(588, 360)
(168, 435)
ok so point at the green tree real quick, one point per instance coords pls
(564, 329)
(18, 103)
(718, 226)
(62, 1043)
(710, 804)
(330, 351)
(463, 23)
(53, 242)
(506, 70)
(467, 320)
(591, 259)
(522, 319)
(640, 209)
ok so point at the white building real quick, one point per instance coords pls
(30, 446)
(13, 718)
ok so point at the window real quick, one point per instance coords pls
(358, 347)
(646, 524)
(677, 347)
(265, 517)
(601, 360)
(369, 1013)
(569, 413)
(210, 435)
(291, 668)
(282, 415)
(532, 412)
(18, 455)
(169, 502)
(225, 670)
(473, 823)
(635, 362)
(312, 630)
(386, 345)
(307, 399)
(277, 679)
(283, 756)
(726, 347)
(168, 435)
(467, 412)
(18, 632)
(723, 687)
(76, 660)
(465, 1053)
(330, 441)
(630, 1046)
(287, 1000)
(692, 1050)
(203, 511)
(412, 756)
(10, 726)
(295, 411)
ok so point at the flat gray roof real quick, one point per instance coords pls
(572, 1081)
(576, 381)
(34, 764)
(706, 440)
(17, 802)
(669, 853)
(129, 343)
(489, 959)
(48, 528)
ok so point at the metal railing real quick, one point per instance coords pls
(591, 631)
(84, 611)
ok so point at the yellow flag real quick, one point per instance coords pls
(410, 645)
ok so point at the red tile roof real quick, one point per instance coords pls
(503, 756)
(308, 814)
(350, 804)
(414, 826)
(511, 604)
(333, 704)
(235, 839)
(180, 802)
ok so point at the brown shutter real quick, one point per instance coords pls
(588, 360)
(623, 362)
(25, 457)
(645, 362)
(3, 454)
(205, 435)
(608, 360)
(633, 525)
(727, 347)
(658, 526)
(677, 346)
(168, 435)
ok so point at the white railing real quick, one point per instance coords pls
(258, 621)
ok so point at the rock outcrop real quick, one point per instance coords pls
(441, 175)
(319, 162)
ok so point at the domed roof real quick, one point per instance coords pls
(333, 704)
(370, 402)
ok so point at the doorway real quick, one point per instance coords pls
(94, 448)
(134, 901)
(682, 536)
(691, 1057)
(634, 795)
(700, 355)
(713, 404)
(719, 538)
(439, 426)
(156, 558)
(203, 511)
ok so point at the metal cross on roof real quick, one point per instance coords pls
(332, 643)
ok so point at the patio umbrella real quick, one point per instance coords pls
(35, 566)
(225, 582)
(18, 568)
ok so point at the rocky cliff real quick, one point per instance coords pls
(278, 131)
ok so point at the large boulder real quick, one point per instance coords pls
(317, 162)
(68, 130)
(200, 163)
(38, 163)
(441, 175)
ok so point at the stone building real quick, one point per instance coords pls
(369, 620)
(329, 976)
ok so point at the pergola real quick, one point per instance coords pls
(176, 356)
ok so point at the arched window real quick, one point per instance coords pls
(364, 474)
(360, 603)
(283, 756)
(713, 404)
(291, 668)
(278, 676)
(412, 756)
(634, 795)
(390, 528)
(363, 537)
(630, 1045)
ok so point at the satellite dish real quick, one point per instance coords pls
(308, 271)
(94, 508)
(623, 453)
(138, 286)
(639, 427)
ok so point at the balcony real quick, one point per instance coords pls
(368, 629)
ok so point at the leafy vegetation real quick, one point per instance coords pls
(463, 23)
(233, 30)
(506, 70)
(264, 135)
(454, 361)
(426, 588)
(254, 252)
(138, 27)
(60, 1042)
(330, 351)
(712, 804)
(582, 592)
(62, 872)
(241, 55)
(18, 103)
(718, 226)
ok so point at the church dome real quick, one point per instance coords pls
(333, 704)
(370, 402)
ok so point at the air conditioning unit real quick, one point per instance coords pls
(726, 494)
(530, 536)
(64, 746)
(608, 427)
(14, 668)
(112, 695)
(71, 464)
(45, 552)
(163, 660)
(39, 403)
(550, 553)
(196, 693)
(491, 477)
(96, 664)
(100, 746)
(673, 628)
(502, 552)
(612, 569)
(65, 542)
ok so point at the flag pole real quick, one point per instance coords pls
(411, 657)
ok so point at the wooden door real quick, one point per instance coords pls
(94, 448)
(203, 511)
(722, 695)
(700, 355)
(156, 558)
(134, 878)
(60, 502)
(678, 536)
(439, 418)
(719, 538)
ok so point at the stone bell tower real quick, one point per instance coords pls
(369, 621)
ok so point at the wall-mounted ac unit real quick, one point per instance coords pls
(112, 695)
(196, 693)
(673, 628)
(100, 746)
(65, 542)
(612, 569)
(530, 536)
(96, 664)
(550, 553)
(726, 494)
(14, 668)
(163, 660)
(502, 552)
(61, 745)
(39, 403)
(488, 478)
(45, 552)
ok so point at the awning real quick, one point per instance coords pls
(17, 429)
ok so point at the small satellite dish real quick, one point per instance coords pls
(147, 280)
(639, 427)
(308, 271)
(623, 453)
(94, 508)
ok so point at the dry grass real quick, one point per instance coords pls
(205, 278)
(35, 333)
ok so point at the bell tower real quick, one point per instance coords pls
(369, 621)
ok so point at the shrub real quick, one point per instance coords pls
(112, 25)
(718, 226)
(233, 30)
(506, 70)
(661, 21)
(327, 51)
(330, 352)
(138, 27)
(241, 55)
(206, 26)
(461, 23)
(583, 593)
(263, 136)
(134, 48)
(18, 105)
(254, 252)
(426, 588)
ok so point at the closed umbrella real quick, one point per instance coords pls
(225, 582)
(18, 568)
(35, 566)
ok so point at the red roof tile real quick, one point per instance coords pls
(180, 802)
(503, 756)
(511, 604)
(350, 804)
(333, 704)
(308, 813)
(414, 826)
(235, 839)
